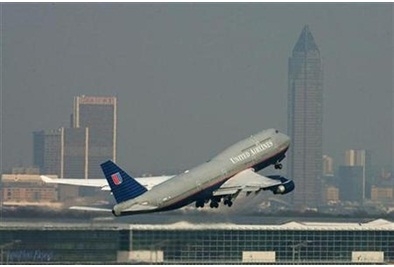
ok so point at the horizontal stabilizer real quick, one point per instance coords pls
(89, 209)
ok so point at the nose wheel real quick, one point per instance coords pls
(278, 166)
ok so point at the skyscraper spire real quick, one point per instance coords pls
(305, 42)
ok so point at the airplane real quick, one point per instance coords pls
(223, 177)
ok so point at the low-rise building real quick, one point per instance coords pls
(382, 194)
(27, 189)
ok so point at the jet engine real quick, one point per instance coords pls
(280, 189)
(286, 187)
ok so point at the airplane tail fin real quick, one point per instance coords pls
(123, 186)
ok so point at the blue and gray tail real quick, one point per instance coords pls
(122, 185)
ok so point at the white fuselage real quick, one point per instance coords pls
(257, 151)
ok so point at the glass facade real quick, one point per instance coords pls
(187, 243)
(98, 114)
(58, 245)
(47, 151)
(75, 146)
(305, 115)
(227, 246)
(351, 183)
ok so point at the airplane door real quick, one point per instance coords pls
(198, 183)
(224, 172)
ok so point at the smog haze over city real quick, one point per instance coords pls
(193, 78)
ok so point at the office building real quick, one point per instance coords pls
(382, 194)
(47, 146)
(356, 157)
(305, 100)
(351, 183)
(61, 152)
(26, 190)
(77, 152)
(361, 158)
(331, 194)
(328, 169)
(98, 114)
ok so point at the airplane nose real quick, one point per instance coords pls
(284, 140)
(287, 140)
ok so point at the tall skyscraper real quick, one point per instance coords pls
(77, 152)
(305, 99)
(98, 115)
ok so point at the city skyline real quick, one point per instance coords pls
(78, 151)
(193, 77)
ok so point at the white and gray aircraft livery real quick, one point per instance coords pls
(220, 179)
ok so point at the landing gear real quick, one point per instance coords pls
(278, 166)
(228, 202)
(214, 204)
(200, 203)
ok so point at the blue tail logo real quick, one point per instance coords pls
(123, 186)
(117, 178)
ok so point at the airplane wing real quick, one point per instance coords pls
(147, 182)
(80, 182)
(249, 181)
(136, 207)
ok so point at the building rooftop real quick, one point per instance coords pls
(378, 224)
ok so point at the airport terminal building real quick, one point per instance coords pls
(289, 243)
(187, 243)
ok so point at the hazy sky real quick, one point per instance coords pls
(192, 79)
